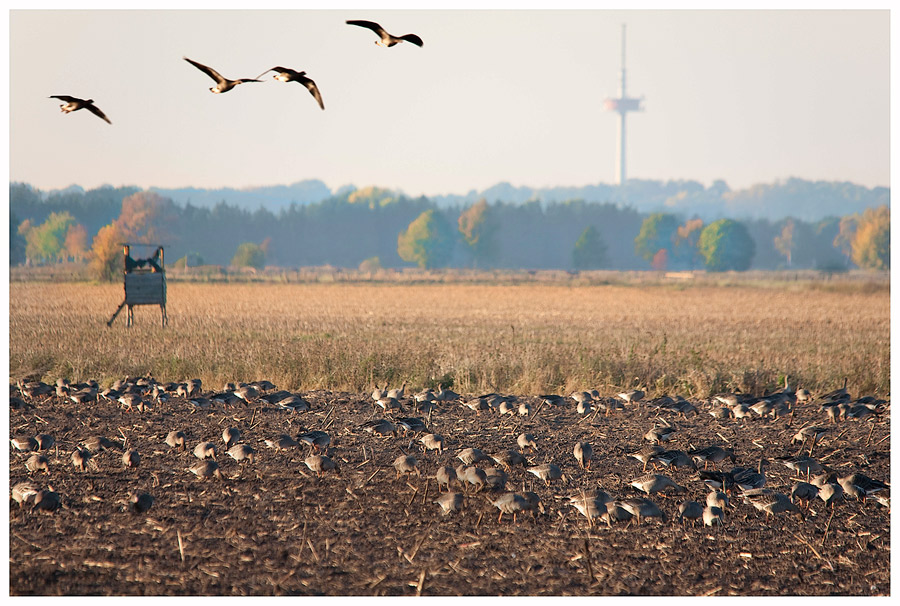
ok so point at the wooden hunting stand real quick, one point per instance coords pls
(145, 283)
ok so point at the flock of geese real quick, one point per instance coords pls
(283, 74)
(486, 474)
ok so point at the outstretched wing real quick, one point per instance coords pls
(66, 98)
(312, 88)
(96, 111)
(413, 38)
(206, 70)
(369, 25)
(278, 69)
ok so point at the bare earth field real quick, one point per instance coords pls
(273, 528)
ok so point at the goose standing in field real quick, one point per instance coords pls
(450, 502)
(24, 443)
(74, 104)
(508, 458)
(583, 454)
(445, 395)
(37, 462)
(320, 464)
(406, 464)
(653, 483)
(381, 427)
(131, 458)
(771, 502)
(831, 493)
(713, 454)
(547, 472)
(317, 440)
(629, 397)
(642, 508)
(691, 510)
(445, 475)
(24, 493)
(397, 394)
(205, 450)
(471, 475)
(177, 439)
(242, 452)
(44, 441)
(646, 454)
(748, 479)
(283, 442)
(659, 434)
(513, 503)
(223, 85)
(247, 393)
(206, 469)
(432, 441)
(526, 440)
(470, 456)
(713, 515)
(673, 459)
(231, 436)
(860, 486)
(46, 500)
(495, 478)
(803, 493)
(386, 39)
(80, 457)
(591, 504)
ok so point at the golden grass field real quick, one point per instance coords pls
(524, 338)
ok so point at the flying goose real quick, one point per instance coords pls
(223, 85)
(286, 74)
(387, 40)
(74, 104)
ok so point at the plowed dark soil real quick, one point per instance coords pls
(273, 528)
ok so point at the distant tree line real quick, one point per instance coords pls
(373, 228)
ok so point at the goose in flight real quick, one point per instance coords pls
(387, 39)
(285, 74)
(223, 85)
(74, 103)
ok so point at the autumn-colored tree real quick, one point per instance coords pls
(686, 237)
(657, 231)
(44, 243)
(478, 228)
(872, 241)
(590, 250)
(726, 245)
(148, 218)
(660, 260)
(428, 241)
(372, 196)
(75, 245)
(784, 242)
(843, 241)
(249, 255)
(106, 253)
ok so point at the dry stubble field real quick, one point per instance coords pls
(274, 528)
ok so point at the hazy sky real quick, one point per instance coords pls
(499, 95)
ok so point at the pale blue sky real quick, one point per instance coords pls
(499, 95)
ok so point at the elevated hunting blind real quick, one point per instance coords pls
(145, 283)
